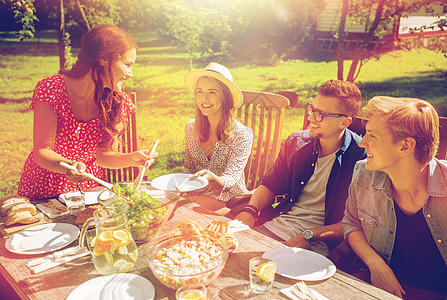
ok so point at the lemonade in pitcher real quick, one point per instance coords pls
(114, 251)
(113, 248)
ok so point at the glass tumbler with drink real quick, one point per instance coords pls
(194, 291)
(75, 201)
(262, 273)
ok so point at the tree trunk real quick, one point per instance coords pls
(362, 51)
(61, 35)
(78, 3)
(341, 38)
(190, 60)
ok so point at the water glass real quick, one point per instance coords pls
(262, 274)
(75, 201)
(194, 291)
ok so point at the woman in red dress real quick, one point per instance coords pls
(79, 115)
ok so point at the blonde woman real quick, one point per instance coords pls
(217, 146)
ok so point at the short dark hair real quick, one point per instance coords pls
(348, 93)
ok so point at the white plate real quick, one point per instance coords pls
(120, 286)
(42, 238)
(91, 195)
(182, 181)
(301, 264)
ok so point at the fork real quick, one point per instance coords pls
(302, 291)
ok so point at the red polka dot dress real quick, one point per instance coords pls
(74, 140)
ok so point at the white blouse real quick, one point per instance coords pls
(227, 161)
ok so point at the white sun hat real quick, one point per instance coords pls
(218, 72)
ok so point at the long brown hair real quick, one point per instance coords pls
(225, 129)
(104, 42)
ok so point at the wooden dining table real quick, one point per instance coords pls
(232, 283)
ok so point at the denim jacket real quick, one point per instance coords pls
(296, 163)
(370, 208)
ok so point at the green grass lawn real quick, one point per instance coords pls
(164, 105)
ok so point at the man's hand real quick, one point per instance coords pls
(383, 277)
(246, 218)
(298, 241)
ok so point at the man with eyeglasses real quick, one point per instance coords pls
(313, 172)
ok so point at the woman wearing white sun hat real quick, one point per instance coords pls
(217, 146)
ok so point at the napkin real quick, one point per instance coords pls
(91, 195)
(52, 208)
(236, 225)
(287, 291)
(57, 258)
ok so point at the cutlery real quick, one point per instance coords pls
(302, 291)
(56, 256)
(107, 185)
(139, 179)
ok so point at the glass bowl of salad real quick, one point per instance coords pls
(178, 259)
(148, 209)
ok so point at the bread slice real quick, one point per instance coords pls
(17, 218)
(36, 218)
(22, 207)
(9, 203)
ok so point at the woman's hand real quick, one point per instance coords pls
(77, 177)
(216, 182)
(143, 158)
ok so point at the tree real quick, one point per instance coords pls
(380, 26)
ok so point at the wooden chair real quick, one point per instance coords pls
(358, 126)
(128, 145)
(264, 114)
(442, 150)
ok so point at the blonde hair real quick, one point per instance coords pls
(408, 117)
(225, 129)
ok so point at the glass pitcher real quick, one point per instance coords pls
(111, 244)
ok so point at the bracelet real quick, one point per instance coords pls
(252, 210)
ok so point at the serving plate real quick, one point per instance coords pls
(179, 181)
(120, 286)
(43, 238)
(301, 264)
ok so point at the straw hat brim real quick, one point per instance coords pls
(191, 82)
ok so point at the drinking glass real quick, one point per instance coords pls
(262, 273)
(75, 201)
(194, 291)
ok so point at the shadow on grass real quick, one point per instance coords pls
(429, 86)
(28, 49)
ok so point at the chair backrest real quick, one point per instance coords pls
(442, 150)
(264, 114)
(359, 124)
(129, 144)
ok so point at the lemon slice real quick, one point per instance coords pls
(266, 271)
(133, 256)
(192, 296)
(109, 257)
(126, 267)
(119, 263)
(122, 250)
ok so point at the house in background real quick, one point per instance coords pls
(325, 44)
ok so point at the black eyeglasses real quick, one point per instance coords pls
(318, 115)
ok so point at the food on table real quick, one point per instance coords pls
(85, 214)
(19, 210)
(114, 251)
(222, 227)
(145, 213)
(55, 208)
(190, 254)
(10, 202)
